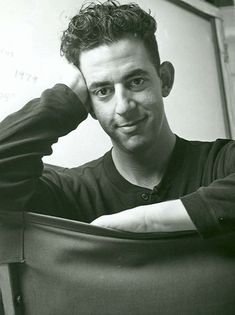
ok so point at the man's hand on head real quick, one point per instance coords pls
(74, 79)
(167, 216)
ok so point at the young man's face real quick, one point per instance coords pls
(125, 92)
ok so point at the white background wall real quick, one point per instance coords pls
(30, 62)
(228, 14)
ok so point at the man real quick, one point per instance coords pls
(151, 180)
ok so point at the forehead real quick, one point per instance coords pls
(114, 61)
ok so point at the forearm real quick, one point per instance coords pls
(27, 135)
(168, 216)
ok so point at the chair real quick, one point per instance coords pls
(54, 266)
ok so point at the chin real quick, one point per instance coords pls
(135, 146)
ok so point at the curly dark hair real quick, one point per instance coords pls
(105, 23)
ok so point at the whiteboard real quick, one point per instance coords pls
(30, 62)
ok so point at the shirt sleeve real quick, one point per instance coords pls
(212, 208)
(26, 136)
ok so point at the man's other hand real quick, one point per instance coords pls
(167, 216)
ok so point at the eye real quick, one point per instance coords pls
(137, 81)
(103, 92)
(137, 84)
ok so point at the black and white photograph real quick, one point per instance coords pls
(117, 157)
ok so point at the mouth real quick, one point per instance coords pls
(132, 123)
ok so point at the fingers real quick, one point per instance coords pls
(79, 87)
(74, 79)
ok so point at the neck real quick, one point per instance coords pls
(146, 167)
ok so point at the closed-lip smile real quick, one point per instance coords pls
(132, 123)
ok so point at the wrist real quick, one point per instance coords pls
(64, 104)
(169, 216)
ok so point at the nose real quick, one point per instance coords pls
(124, 100)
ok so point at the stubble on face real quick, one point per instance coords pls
(110, 66)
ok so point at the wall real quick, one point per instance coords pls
(30, 62)
(228, 14)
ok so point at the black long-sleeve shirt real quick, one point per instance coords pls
(201, 174)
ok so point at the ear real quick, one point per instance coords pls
(167, 74)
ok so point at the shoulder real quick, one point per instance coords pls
(217, 155)
(87, 173)
(214, 147)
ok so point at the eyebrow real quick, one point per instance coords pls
(129, 75)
